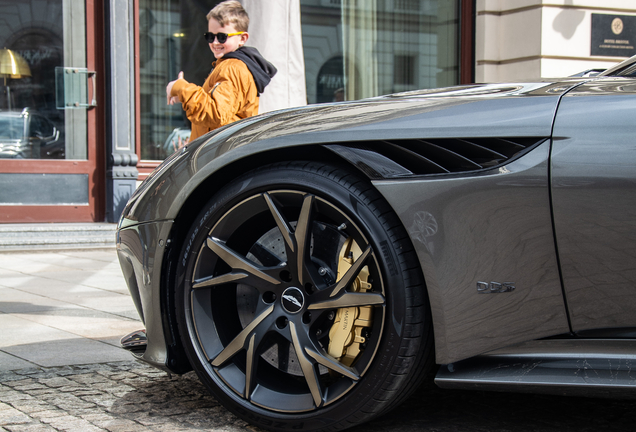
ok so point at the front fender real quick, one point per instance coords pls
(525, 112)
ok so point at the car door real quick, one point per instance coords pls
(593, 180)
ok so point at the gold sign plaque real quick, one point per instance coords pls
(613, 35)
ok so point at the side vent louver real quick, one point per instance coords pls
(405, 158)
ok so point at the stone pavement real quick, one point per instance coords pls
(63, 307)
(130, 397)
(62, 314)
(61, 369)
(114, 397)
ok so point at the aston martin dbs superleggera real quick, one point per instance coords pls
(314, 265)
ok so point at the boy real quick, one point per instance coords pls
(238, 77)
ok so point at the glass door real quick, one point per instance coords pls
(48, 112)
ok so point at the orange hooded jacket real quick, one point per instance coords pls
(228, 94)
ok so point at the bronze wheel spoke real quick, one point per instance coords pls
(281, 223)
(331, 363)
(218, 280)
(349, 300)
(236, 261)
(303, 236)
(309, 371)
(250, 368)
(352, 273)
(242, 340)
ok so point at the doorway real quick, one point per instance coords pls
(51, 124)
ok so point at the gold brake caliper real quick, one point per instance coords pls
(345, 335)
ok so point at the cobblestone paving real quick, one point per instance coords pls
(129, 396)
(113, 397)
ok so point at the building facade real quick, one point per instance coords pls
(83, 113)
(525, 39)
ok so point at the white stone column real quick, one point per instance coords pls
(275, 31)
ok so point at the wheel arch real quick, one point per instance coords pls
(192, 205)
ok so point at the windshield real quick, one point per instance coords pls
(626, 68)
(11, 127)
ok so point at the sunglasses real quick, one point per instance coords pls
(221, 37)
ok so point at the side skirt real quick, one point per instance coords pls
(579, 367)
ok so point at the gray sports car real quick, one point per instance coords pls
(314, 265)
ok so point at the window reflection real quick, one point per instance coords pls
(37, 36)
(377, 47)
(170, 41)
(352, 50)
(28, 135)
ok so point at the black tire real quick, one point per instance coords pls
(258, 293)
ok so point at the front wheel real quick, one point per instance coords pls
(300, 300)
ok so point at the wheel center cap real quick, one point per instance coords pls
(293, 300)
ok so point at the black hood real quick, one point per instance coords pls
(262, 70)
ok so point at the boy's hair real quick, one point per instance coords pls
(230, 12)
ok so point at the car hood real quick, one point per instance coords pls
(471, 111)
(416, 112)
